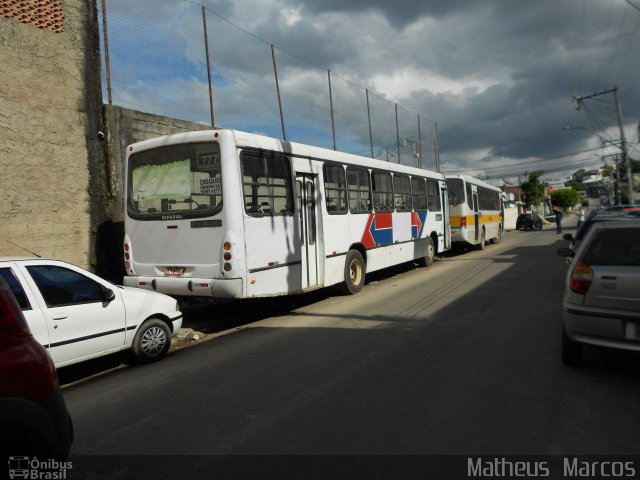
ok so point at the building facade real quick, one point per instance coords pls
(52, 180)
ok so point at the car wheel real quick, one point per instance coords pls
(429, 255)
(480, 246)
(571, 351)
(354, 272)
(152, 341)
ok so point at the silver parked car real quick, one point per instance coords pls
(601, 303)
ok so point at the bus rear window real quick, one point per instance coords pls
(183, 180)
(456, 191)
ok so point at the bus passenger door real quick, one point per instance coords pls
(444, 195)
(306, 203)
(476, 215)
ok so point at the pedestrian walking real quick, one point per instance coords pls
(580, 217)
(558, 213)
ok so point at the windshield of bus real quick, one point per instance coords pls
(175, 181)
(455, 187)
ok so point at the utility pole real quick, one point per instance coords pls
(623, 142)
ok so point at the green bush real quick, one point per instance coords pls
(565, 198)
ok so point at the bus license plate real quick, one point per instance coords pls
(173, 271)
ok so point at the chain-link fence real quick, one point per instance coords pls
(182, 60)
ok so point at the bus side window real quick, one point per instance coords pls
(267, 184)
(402, 192)
(419, 194)
(335, 188)
(433, 196)
(359, 190)
(382, 192)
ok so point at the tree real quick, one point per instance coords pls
(575, 184)
(533, 190)
(565, 198)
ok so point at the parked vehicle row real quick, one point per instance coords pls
(601, 301)
(54, 314)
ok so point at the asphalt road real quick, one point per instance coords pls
(458, 358)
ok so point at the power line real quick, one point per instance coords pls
(525, 163)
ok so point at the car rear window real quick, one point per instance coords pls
(615, 247)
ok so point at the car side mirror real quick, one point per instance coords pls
(565, 252)
(107, 294)
(568, 236)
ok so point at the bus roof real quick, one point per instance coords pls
(475, 181)
(252, 140)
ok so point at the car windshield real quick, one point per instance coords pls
(614, 247)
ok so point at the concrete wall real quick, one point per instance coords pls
(51, 170)
(123, 127)
(61, 150)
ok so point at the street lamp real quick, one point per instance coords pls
(604, 142)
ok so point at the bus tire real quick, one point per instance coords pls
(429, 255)
(498, 237)
(480, 246)
(354, 272)
(152, 341)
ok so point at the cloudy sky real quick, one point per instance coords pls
(496, 75)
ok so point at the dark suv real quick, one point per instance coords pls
(529, 221)
(34, 420)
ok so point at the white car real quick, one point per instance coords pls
(77, 315)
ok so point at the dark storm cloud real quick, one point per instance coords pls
(399, 12)
(497, 75)
(512, 65)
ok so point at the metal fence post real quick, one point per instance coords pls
(369, 117)
(436, 139)
(397, 132)
(333, 124)
(419, 144)
(206, 51)
(107, 64)
(275, 72)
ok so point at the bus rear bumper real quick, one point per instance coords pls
(188, 287)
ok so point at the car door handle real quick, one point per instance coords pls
(60, 316)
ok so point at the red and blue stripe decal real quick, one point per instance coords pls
(379, 229)
(418, 219)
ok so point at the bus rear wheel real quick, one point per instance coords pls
(429, 255)
(480, 246)
(498, 237)
(354, 272)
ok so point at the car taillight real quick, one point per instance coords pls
(581, 278)
(12, 322)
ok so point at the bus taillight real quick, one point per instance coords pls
(127, 258)
(226, 246)
(463, 222)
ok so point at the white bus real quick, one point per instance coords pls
(227, 214)
(477, 211)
